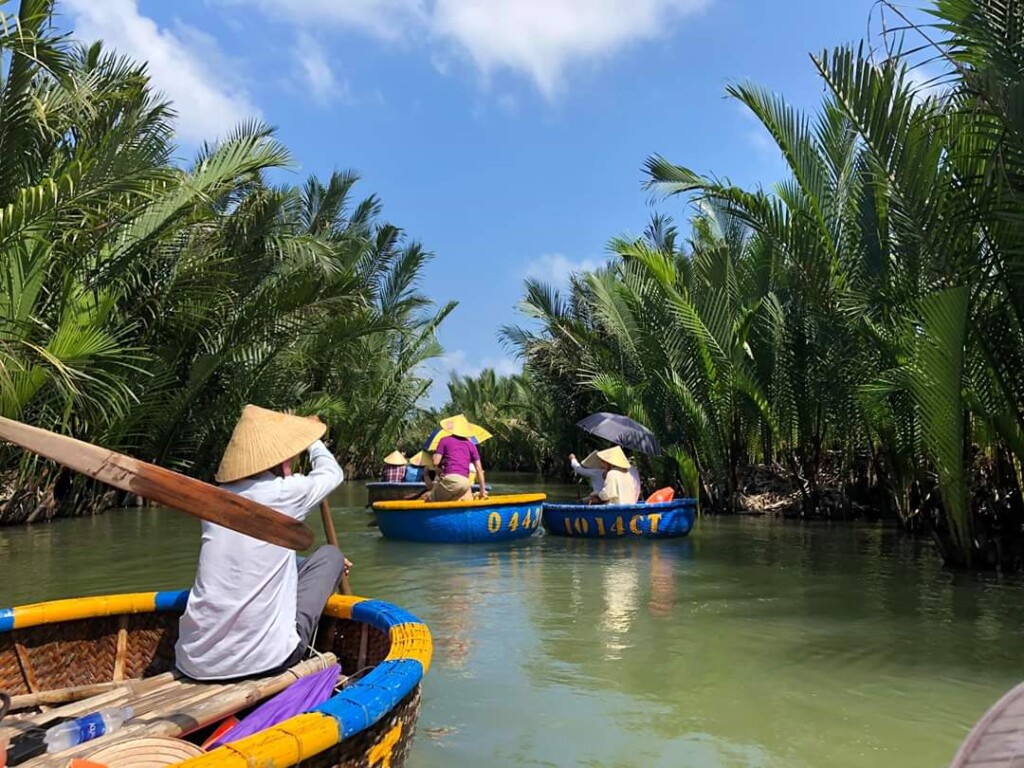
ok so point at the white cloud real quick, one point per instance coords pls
(457, 361)
(388, 19)
(185, 64)
(556, 268)
(541, 38)
(317, 73)
(538, 38)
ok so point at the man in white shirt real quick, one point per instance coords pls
(253, 609)
(595, 476)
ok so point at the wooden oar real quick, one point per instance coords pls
(163, 486)
(332, 539)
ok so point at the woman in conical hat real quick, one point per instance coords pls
(418, 465)
(618, 485)
(453, 457)
(394, 467)
(253, 608)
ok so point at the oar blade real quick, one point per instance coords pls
(171, 489)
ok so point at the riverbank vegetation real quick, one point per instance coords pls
(143, 302)
(852, 337)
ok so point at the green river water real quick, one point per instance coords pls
(750, 643)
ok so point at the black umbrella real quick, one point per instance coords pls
(621, 430)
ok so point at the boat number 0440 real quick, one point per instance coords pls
(581, 525)
(530, 519)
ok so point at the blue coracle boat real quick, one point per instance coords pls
(664, 520)
(381, 491)
(499, 518)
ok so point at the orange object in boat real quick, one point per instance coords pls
(662, 494)
(223, 728)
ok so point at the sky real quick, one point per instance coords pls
(507, 136)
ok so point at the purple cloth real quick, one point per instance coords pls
(457, 455)
(298, 697)
(393, 474)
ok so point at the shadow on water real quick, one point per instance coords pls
(750, 643)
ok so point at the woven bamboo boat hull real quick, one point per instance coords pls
(499, 518)
(391, 491)
(370, 722)
(379, 491)
(664, 520)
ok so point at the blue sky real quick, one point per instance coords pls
(506, 135)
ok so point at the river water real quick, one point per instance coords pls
(751, 643)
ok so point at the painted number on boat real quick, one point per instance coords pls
(380, 755)
(580, 526)
(529, 519)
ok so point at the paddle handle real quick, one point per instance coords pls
(332, 539)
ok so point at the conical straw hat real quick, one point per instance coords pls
(396, 459)
(263, 439)
(146, 752)
(422, 459)
(614, 456)
(458, 425)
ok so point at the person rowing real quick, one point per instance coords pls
(454, 455)
(253, 607)
(619, 486)
(590, 469)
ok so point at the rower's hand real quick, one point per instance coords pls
(483, 494)
(572, 457)
(347, 568)
(314, 417)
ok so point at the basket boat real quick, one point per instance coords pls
(119, 650)
(381, 491)
(498, 518)
(664, 520)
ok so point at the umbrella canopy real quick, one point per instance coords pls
(299, 697)
(477, 434)
(621, 430)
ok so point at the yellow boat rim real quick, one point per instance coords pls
(492, 501)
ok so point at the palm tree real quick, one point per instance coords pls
(143, 304)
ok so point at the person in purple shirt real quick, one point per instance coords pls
(454, 455)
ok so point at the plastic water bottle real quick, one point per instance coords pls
(66, 735)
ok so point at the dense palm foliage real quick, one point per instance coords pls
(142, 304)
(859, 328)
(526, 425)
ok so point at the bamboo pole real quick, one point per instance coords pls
(78, 692)
(208, 704)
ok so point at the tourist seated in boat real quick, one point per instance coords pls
(454, 456)
(414, 470)
(619, 487)
(393, 470)
(253, 607)
(592, 471)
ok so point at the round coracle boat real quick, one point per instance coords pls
(381, 491)
(70, 659)
(498, 518)
(663, 520)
